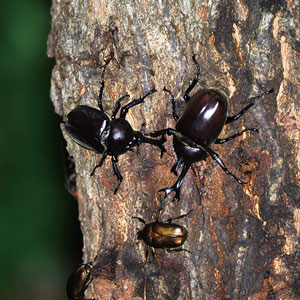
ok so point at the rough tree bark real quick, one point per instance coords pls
(244, 241)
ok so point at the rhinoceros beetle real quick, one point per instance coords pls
(79, 281)
(165, 235)
(93, 129)
(198, 128)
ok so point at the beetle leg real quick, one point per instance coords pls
(114, 161)
(118, 105)
(186, 96)
(152, 252)
(158, 214)
(176, 166)
(146, 253)
(222, 141)
(179, 217)
(125, 109)
(175, 116)
(168, 131)
(177, 250)
(138, 141)
(140, 138)
(102, 86)
(216, 157)
(253, 101)
(100, 163)
(177, 185)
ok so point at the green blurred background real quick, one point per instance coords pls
(40, 235)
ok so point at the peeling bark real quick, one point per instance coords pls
(244, 241)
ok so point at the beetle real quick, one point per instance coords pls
(93, 129)
(198, 128)
(165, 235)
(79, 281)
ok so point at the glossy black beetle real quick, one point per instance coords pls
(78, 282)
(164, 235)
(199, 127)
(93, 129)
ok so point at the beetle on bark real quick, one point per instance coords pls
(93, 129)
(78, 282)
(198, 128)
(165, 235)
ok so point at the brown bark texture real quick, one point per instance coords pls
(243, 240)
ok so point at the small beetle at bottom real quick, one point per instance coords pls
(165, 235)
(78, 282)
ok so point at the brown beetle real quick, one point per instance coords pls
(198, 128)
(164, 235)
(78, 282)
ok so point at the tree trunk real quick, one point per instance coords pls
(244, 240)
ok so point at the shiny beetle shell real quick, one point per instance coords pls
(164, 235)
(86, 126)
(78, 282)
(204, 116)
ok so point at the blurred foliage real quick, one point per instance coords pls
(40, 237)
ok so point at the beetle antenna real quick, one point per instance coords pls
(140, 219)
(179, 217)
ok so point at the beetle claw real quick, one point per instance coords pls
(141, 138)
(171, 189)
(161, 146)
(175, 167)
(174, 170)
